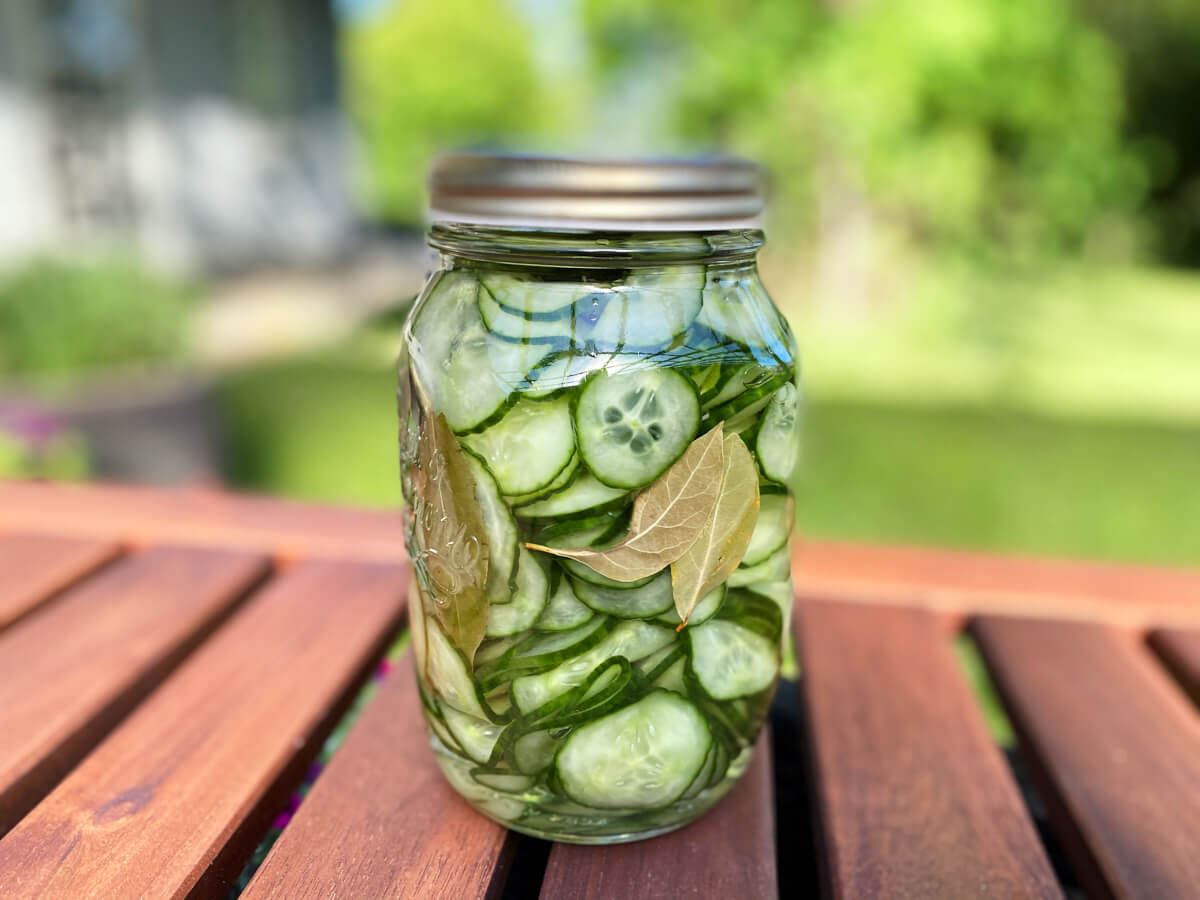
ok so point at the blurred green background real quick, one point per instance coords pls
(985, 230)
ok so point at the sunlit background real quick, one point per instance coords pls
(985, 230)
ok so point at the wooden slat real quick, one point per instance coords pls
(1116, 746)
(68, 674)
(201, 517)
(35, 568)
(174, 800)
(382, 821)
(914, 799)
(961, 582)
(729, 852)
(1180, 650)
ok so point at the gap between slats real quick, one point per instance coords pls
(207, 760)
(36, 570)
(912, 796)
(71, 673)
(1112, 744)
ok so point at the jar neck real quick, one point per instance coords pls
(593, 249)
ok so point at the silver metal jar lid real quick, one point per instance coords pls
(595, 194)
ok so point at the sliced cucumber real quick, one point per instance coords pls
(477, 737)
(450, 354)
(672, 678)
(539, 652)
(529, 448)
(512, 326)
(564, 611)
(583, 573)
(534, 751)
(448, 674)
(744, 408)
(735, 307)
(730, 661)
(531, 590)
(605, 691)
(505, 782)
(585, 496)
(651, 309)
(501, 533)
(640, 757)
(632, 427)
(778, 445)
(775, 567)
(438, 727)
(632, 640)
(568, 369)
(781, 593)
(706, 607)
(772, 530)
(491, 650)
(525, 297)
(704, 776)
(581, 531)
(650, 599)
(561, 480)
(754, 612)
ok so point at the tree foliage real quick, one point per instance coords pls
(994, 123)
(424, 75)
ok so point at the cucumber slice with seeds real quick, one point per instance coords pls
(730, 661)
(632, 427)
(585, 495)
(640, 757)
(529, 448)
(650, 599)
(778, 444)
(451, 354)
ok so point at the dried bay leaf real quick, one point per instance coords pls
(450, 551)
(723, 542)
(667, 517)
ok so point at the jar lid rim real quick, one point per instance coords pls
(655, 194)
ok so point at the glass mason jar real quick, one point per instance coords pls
(599, 410)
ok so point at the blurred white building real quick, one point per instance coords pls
(206, 133)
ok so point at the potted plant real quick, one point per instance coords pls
(97, 349)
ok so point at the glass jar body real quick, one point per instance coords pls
(562, 395)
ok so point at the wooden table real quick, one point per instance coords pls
(171, 661)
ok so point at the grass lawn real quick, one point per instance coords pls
(324, 429)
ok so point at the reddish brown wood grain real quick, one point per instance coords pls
(962, 582)
(35, 568)
(914, 799)
(382, 821)
(730, 852)
(201, 517)
(1180, 650)
(1116, 746)
(69, 673)
(174, 800)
